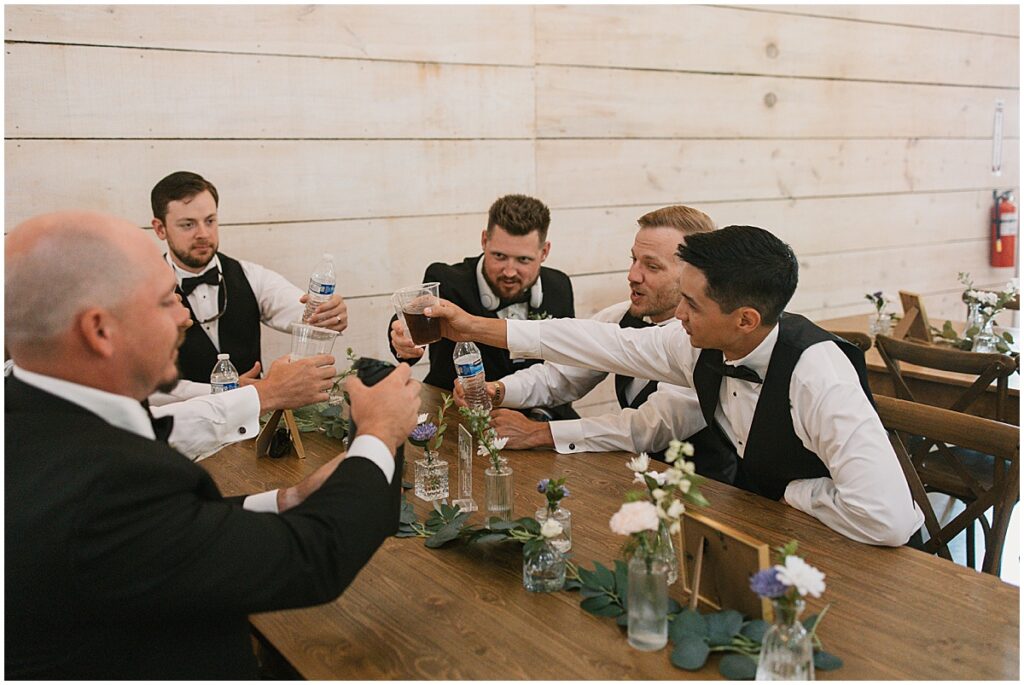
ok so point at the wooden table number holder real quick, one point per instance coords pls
(266, 436)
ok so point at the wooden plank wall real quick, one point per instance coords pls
(860, 134)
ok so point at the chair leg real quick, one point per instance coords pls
(992, 563)
(970, 544)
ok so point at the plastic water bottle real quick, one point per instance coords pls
(224, 376)
(470, 368)
(321, 285)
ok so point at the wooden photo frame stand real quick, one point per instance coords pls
(718, 562)
(266, 435)
(914, 324)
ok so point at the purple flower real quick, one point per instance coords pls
(565, 491)
(423, 432)
(767, 584)
(542, 485)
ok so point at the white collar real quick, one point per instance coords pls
(490, 301)
(761, 355)
(119, 411)
(181, 273)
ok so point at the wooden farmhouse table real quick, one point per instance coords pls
(930, 386)
(461, 612)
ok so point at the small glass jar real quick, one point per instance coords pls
(498, 492)
(786, 650)
(647, 603)
(543, 568)
(431, 481)
(986, 339)
(880, 323)
(665, 550)
(563, 542)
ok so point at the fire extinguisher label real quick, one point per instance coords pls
(1008, 224)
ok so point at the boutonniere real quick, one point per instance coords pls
(538, 315)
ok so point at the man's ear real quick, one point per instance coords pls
(159, 229)
(483, 241)
(749, 319)
(96, 327)
(545, 251)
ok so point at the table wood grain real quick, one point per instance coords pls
(930, 386)
(460, 612)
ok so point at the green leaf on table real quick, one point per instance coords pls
(589, 579)
(738, 667)
(690, 653)
(587, 591)
(497, 524)
(592, 604)
(408, 514)
(722, 626)
(824, 661)
(755, 630)
(604, 575)
(531, 547)
(1008, 337)
(488, 537)
(406, 485)
(405, 531)
(673, 606)
(688, 623)
(810, 622)
(571, 585)
(445, 534)
(621, 576)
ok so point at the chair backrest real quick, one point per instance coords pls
(988, 367)
(905, 419)
(861, 340)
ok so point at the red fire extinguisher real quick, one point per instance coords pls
(1004, 229)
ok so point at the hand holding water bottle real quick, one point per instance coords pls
(470, 367)
(324, 307)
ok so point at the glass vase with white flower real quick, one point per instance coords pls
(431, 477)
(497, 476)
(555, 491)
(543, 561)
(983, 306)
(881, 320)
(787, 650)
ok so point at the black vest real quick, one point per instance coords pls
(238, 329)
(774, 455)
(712, 456)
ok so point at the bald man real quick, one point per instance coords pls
(122, 559)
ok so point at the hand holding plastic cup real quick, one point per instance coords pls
(308, 341)
(409, 305)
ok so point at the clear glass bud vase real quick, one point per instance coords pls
(786, 651)
(665, 550)
(563, 543)
(498, 492)
(543, 568)
(431, 481)
(986, 340)
(647, 603)
(880, 323)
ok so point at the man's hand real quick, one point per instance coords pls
(332, 314)
(289, 384)
(403, 344)
(522, 433)
(459, 394)
(389, 409)
(297, 494)
(250, 376)
(460, 326)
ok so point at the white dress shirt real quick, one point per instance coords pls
(129, 415)
(204, 424)
(866, 499)
(670, 412)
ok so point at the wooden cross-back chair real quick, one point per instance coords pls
(861, 340)
(905, 420)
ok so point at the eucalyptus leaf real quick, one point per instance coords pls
(690, 653)
(498, 524)
(621, 576)
(755, 630)
(489, 537)
(408, 514)
(532, 547)
(612, 611)
(722, 626)
(688, 623)
(445, 534)
(587, 591)
(738, 667)
(406, 533)
(592, 604)
(604, 575)
(824, 661)
(674, 606)
(810, 622)
(406, 485)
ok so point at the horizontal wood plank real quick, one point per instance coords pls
(270, 180)
(589, 173)
(466, 33)
(726, 40)
(1003, 20)
(93, 92)
(627, 103)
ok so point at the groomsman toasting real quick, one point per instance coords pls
(789, 398)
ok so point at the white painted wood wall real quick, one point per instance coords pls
(860, 134)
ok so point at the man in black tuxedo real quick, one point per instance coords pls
(123, 561)
(506, 282)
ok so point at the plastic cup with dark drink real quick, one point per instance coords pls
(409, 305)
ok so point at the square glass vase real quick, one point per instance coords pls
(431, 481)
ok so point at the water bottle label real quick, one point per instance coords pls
(223, 387)
(470, 369)
(318, 288)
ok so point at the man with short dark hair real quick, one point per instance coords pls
(789, 398)
(122, 560)
(228, 298)
(506, 282)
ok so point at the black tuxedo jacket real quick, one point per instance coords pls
(123, 561)
(459, 285)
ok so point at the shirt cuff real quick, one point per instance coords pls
(373, 448)
(515, 392)
(263, 502)
(567, 435)
(523, 338)
(243, 415)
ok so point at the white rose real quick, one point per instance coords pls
(798, 573)
(551, 529)
(639, 463)
(422, 418)
(676, 509)
(634, 517)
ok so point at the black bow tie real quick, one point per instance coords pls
(162, 426)
(211, 277)
(744, 373)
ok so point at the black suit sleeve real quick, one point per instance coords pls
(155, 543)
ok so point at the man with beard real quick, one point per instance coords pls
(122, 559)
(227, 298)
(652, 413)
(506, 282)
